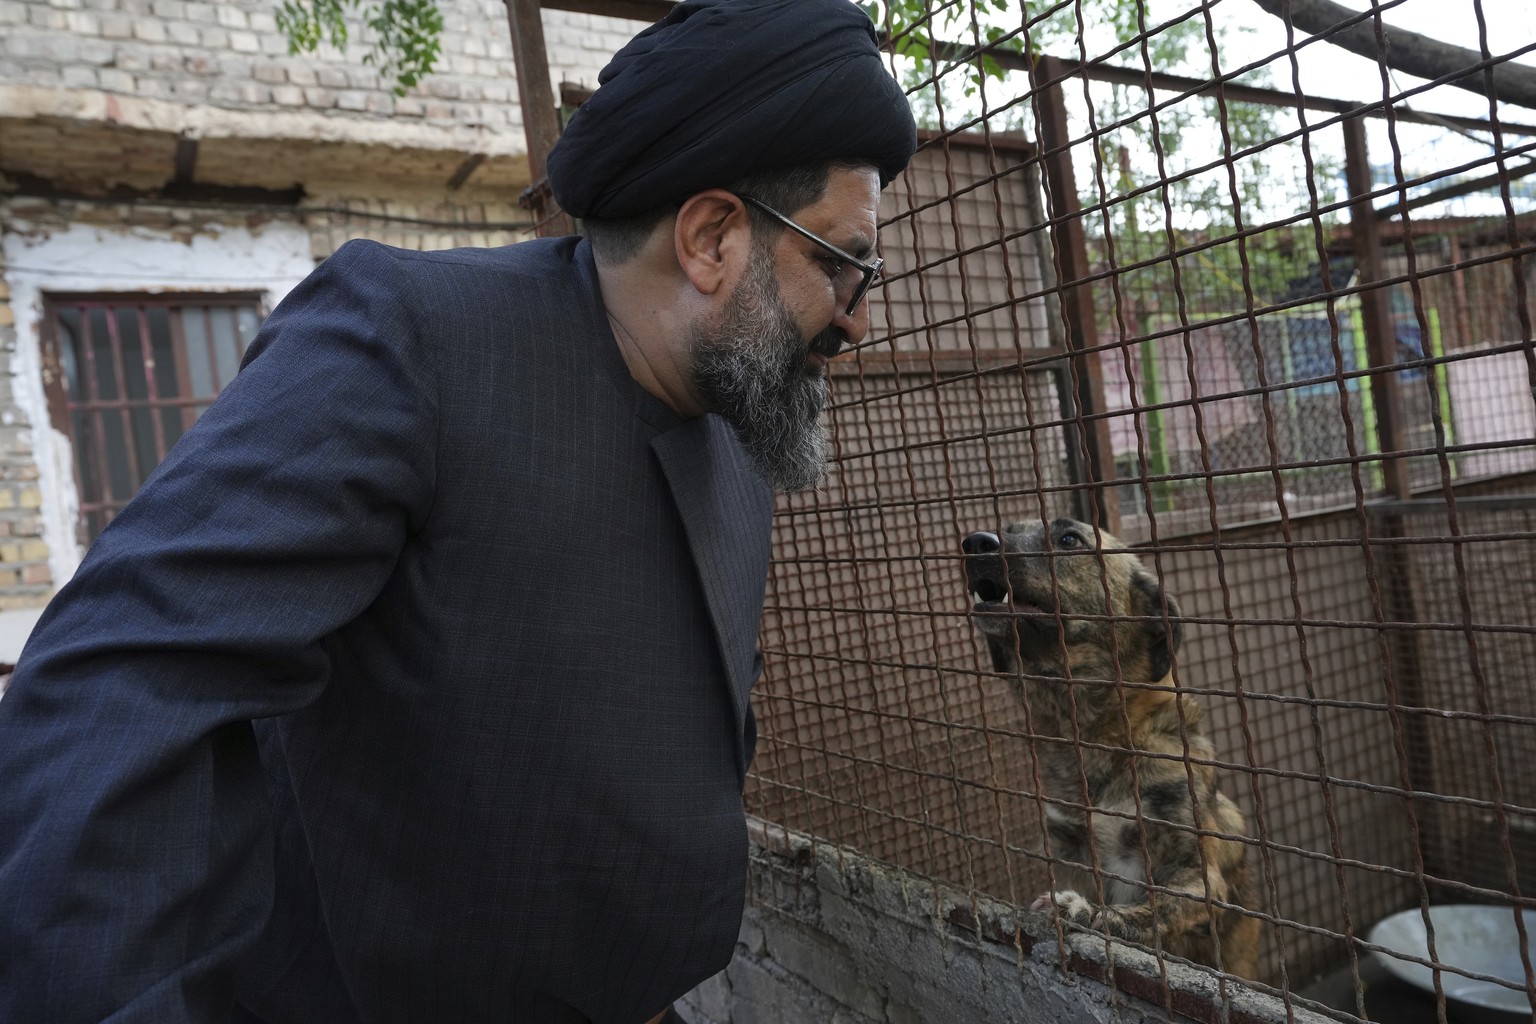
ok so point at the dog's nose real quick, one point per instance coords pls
(981, 544)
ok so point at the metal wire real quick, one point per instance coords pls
(1305, 401)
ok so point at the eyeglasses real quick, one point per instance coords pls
(870, 271)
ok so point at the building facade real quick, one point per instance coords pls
(168, 170)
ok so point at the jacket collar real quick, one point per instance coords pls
(726, 510)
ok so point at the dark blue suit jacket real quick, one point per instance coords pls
(492, 609)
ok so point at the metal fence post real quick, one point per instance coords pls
(541, 120)
(1070, 245)
(1375, 311)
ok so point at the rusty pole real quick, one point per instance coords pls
(1375, 311)
(1070, 245)
(541, 118)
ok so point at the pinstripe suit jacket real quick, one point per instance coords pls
(492, 609)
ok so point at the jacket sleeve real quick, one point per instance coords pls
(135, 835)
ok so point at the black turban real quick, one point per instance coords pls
(721, 89)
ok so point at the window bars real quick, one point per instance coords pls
(126, 375)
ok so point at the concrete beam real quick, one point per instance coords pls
(23, 102)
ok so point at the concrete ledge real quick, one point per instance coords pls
(202, 121)
(830, 935)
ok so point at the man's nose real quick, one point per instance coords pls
(856, 324)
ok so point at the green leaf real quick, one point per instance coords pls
(405, 36)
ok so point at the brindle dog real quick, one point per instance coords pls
(1060, 641)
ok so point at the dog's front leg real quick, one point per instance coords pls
(1161, 916)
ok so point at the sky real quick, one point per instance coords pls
(1250, 35)
(1330, 71)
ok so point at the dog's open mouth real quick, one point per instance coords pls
(991, 597)
(998, 610)
(988, 592)
(999, 602)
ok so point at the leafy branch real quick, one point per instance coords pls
(406, 34)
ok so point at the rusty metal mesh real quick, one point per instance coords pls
(1302, 391)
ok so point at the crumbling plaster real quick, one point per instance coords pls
(80, 258)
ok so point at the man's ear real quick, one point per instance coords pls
(712, 236)
(1162, 632)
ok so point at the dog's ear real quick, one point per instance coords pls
(1163, 633)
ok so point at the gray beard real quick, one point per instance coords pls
(750, 367)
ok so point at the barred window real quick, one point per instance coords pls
(126, 375)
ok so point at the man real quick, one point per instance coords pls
(413, 686)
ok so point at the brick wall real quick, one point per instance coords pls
(25, 579)
(231, 56)
(137, 250)
(423, 222)
(96, 97)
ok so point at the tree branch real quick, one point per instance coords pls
(1408, 52)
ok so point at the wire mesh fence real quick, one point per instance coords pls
(1262, 309)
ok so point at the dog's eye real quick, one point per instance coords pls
(1069, 540)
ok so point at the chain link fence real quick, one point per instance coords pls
(1261, 307)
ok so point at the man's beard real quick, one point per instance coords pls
(750, 367)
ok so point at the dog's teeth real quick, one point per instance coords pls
(976, 597)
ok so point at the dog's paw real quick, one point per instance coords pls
(1117, 922)
(1067, 905)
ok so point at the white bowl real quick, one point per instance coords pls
(1476, 938)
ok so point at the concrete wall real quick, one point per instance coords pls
(229, 61)
(832, 936)
(117, 257)
(53, 246)
(26, 578)
(137, 99)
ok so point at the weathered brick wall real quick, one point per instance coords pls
(230, 55)
(581, 44)
(416, 221)
(25, 580)
(97, 95)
